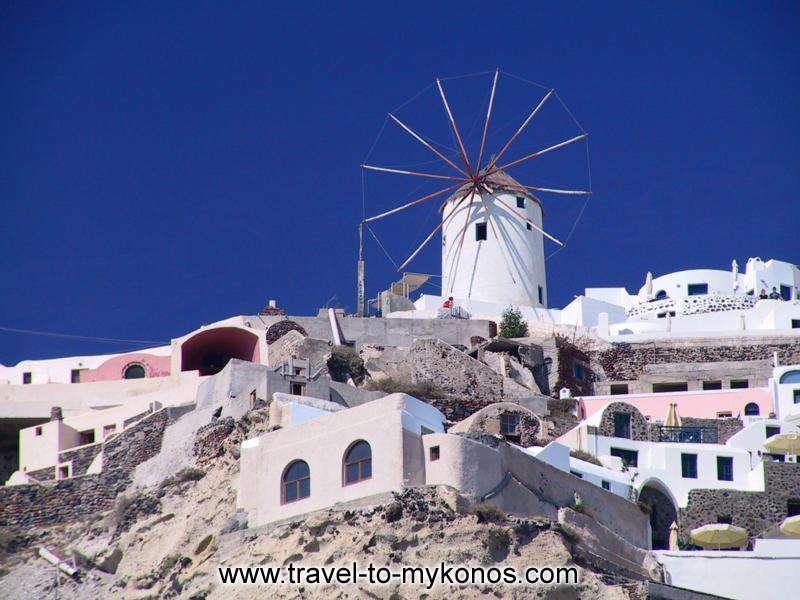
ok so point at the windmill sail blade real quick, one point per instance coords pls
(486, 124)
(464, 158)
(417, 173)
(557, 191)
(497, 237)
(417, 137)
(428, 239)
(540, 152)
(524, 218)
(412, 203)
(520, 130)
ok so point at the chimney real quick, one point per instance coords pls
(56, 414)
(273, 304)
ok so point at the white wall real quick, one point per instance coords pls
(784, 393)
(768, 572)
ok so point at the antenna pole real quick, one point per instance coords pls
(360, 309)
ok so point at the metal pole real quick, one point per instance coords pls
(360, 308)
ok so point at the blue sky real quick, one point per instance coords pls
(166, 165)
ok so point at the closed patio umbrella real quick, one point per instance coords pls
(648, 286)
(673, 418)
(783, 443)
(719, 535)
(791, 526)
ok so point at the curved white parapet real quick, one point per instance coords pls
(692, 305)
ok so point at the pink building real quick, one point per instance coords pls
(710, 404)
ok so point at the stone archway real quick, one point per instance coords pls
(663, 513)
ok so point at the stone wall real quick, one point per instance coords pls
(640, 428)
(569, 355)
(37, 505)
(625, 362)
(80, 457)
(755, 511)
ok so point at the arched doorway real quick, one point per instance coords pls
(662, 513)
(209, 351)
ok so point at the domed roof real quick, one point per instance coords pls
(499, 180)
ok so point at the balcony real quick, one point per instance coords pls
(687, 435)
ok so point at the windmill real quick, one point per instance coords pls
(503, 262)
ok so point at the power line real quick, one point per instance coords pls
(85, 338)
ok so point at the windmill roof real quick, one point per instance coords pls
(499, 180)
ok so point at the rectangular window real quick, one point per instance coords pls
(724, 415)
(298, 389)
(577, 371)
(37, 431)
(622, 425)
(434, 453)
(739, 384)
(712, 385)
(725, 519)
(786, 292)
(796, 396)
(689, 466)
(86, 437)
(795, 323)
(27, 377)
(661, 388)
(109, 430)
(541, 295)
(528, 225)
(618, 389)
(793, 507)
(509, 423)
(775, 457)
(771, 430)
(521, 204)
(630, 458)
(480, 231)
(63, 472)
(697, 289)
(75, 376)
(606, 485)
(578, 475)
(725, 468)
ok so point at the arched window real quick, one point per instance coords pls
(357, 463)
(296, 482)
(790, 377)
(661, 295)
(751, 409)
(134, 371)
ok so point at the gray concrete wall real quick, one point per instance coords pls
(386, 332)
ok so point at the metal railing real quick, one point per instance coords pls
(687, 435)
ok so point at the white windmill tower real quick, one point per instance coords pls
(492, 225)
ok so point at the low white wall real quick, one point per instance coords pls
(769, 572)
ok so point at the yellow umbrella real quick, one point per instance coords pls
(673, 418)
(719, 535)
(791, 526)
(783, 443)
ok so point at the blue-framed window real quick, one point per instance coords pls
(725, 468)
(520, 202)
(689, 466)
(697, 289)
